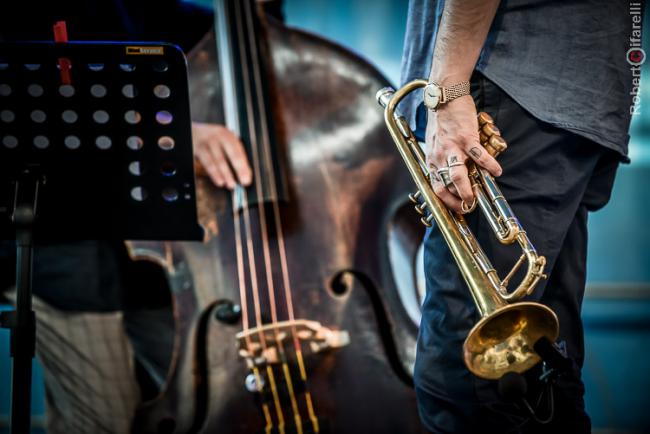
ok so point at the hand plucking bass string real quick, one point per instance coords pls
(220, 155)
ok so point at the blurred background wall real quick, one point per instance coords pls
(616, 312)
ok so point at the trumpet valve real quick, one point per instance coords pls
(496, 145)
(490, 137)
(484, 118)
(490, 130)
(420, 208)
(426, 221)
(415, 197)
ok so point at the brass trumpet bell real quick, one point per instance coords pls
(504, 340)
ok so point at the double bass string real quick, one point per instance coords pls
(265, 240)
(258, 315)
(258, 320)
(281, 244)
(238, 199)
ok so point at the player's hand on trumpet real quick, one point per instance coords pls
(451, 140)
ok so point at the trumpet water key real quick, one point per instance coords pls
(504, 338)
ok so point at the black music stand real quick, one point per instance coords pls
(95, 144)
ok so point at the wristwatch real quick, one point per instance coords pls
(436, 95)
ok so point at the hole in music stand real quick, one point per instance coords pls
(168, 169)
(38, 116)
(7, 116)
(72, 142)
(41, 142)
(133, 117)
(66, 90)
(170, 194)
(98, 90)
(134, 142)
(136, 168)
(166, 143)
(35, 90)
(160, 66)
(101, 116)
(161, 91)
(10, 142)
(163, 117)
(129, 91)
(69, 116)
(103, 142)
(138, 194)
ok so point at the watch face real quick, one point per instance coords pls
(432, 96)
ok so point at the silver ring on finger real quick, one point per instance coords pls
(454, 160)
(444, 175)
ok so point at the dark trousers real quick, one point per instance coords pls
(551, 178)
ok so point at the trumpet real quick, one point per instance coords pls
(504, 338)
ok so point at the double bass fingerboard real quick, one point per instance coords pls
(244, 65)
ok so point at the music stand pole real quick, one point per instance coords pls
(22, 320)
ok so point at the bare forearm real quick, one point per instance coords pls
(463, 29)
(452, 129)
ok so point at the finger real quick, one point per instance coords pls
(439, 155)
(234, 150)
(205, 159)
(220, 162)
(484, 159)
(459, 176)
(451, 201)
(433, 173)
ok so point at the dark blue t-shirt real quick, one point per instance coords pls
(565, 61)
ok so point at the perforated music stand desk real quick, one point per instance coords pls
(99, 151)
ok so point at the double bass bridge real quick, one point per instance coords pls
(264, 344)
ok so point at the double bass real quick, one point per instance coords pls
(288, 314)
